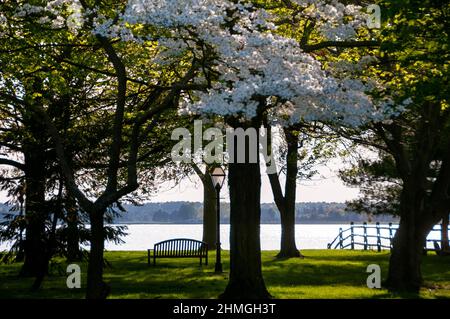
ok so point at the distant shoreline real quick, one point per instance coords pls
(191, 213)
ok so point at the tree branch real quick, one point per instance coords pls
(291, 167)
(339, 44)
(66, 170)
(273, 177)
(116, 145)
(199, 172)
(12, 147)
(9, 162)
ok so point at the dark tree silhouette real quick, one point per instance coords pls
(246, 279)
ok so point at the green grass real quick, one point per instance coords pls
(322, 274)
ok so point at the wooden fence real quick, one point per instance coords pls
(370, 237)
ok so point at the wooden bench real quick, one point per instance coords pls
(179, 248)
(439, 251)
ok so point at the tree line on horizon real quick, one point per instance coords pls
(192, 212)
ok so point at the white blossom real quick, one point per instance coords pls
(55, 9)
(336, 21)
(58, 22)
(252, 63)
(75, 20)
(3, 24)
(3, 19)
(28, 9)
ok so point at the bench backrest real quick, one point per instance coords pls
(181, 247)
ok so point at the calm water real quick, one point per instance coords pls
(142, 237)
(312, 236)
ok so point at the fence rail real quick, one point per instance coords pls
(382, 237)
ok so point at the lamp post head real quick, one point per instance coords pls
(217, 176)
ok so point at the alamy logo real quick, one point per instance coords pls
(74, 279)
(242, 146)
(374, 279)
(374, 16)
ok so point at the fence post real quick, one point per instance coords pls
(378, 237)
(352, 239)
(390, 236)
(365, 235)
(341, 246)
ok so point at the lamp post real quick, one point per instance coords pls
(218, 177)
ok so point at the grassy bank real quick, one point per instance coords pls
(322, 274)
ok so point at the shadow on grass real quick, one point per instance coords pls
(131, 277)
(320, 270)
(397, 295)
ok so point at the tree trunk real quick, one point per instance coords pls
(404, 263)
(246, 280)
(288, 246)
(408, 243)
(96, 288)
(286, 203)
(35, 213)
(51, 244)
(73, 234)
(209, 212)
(444, 233)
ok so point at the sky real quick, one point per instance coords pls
(330, 189)
(327, 188)
(324, 188)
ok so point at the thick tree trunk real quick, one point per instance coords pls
(246, 280)
(288, 246)
(35, 214)
(444, 233)
(404, 264)
(209, 212)
(51, 244)
(408, 243)
(96, 288)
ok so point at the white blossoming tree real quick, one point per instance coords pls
(252, 72)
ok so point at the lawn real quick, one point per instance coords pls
(322, 274)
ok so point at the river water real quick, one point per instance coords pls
(308, 236)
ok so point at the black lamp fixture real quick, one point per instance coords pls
(218, 177)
